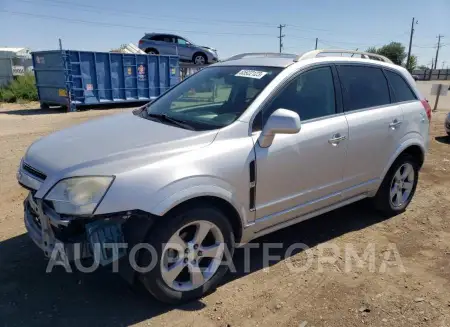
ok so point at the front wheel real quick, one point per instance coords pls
(191, 247)
(398, 186)
(200, 59)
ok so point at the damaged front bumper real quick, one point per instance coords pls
(42, 223)
(80, 237)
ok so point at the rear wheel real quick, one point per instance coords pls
(190, 249)
(151, 51)
(398, 186)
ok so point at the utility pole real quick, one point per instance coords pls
(414, 21)
(317, 40)
(437, 50)
(281, 36)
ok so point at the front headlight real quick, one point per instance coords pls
(78, 195)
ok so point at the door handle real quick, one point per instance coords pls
(336, 139)
(395, 123)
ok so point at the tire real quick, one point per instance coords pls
(199, 59)
(44, 105)
(154, 280)
(151, 51)
(393, 205)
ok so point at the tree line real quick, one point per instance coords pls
(395, 51)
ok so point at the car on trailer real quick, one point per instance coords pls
(170, 44)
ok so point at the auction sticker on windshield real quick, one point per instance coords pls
(251, 74)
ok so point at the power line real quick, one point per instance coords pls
(296, 27)
(150, 16)
(329, 45)
(424, 47)
(153, 17)
(82, 21)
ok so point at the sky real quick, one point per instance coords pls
(232, 26)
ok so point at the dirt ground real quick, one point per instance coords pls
(276, 295)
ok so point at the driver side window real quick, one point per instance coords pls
(181, 41)
(310, 94)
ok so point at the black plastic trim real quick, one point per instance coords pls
(34, 172)
(252, 171)
(252, 198)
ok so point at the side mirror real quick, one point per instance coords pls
(282, 121)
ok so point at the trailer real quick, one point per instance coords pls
(74, 79)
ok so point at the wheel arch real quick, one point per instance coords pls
(223, 199)
(413, 147)
(223, 205)
(147, 50)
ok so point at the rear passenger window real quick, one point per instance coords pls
(363, 87)
(402, 91)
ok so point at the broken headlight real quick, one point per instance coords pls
(79, 195)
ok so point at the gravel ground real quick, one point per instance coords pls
(327, 294)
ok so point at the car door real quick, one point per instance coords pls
(184, 49)
(375, 125)
(167, 45)
(300, 173)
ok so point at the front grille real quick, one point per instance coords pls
(34, 172)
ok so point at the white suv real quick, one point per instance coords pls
(271, 141)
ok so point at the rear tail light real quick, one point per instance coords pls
(140, 42)
(427, 108)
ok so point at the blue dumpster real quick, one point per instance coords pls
(78, 78)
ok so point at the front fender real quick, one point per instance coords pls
(411, 139)
(195, 192)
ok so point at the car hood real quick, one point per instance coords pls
(111, 145)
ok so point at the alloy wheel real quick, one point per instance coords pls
(192, 255)
(199, 60)
(402, 185)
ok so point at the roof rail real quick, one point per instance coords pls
(365, 55)
(262, 54)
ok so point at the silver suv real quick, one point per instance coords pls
(273, 141)
(169, 44)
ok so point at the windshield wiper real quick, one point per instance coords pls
(175, 121)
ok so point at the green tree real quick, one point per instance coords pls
(412, 63)
(394, 51)
(372, 50)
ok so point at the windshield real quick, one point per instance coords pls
(214, 97)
